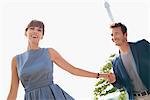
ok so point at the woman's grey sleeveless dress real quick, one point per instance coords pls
(35, 70)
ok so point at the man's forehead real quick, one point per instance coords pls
(116, 28)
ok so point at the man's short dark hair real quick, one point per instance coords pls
(123, 27)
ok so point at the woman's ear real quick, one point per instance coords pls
(41, 37)
(25, 33)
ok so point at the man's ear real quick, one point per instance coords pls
(125, 34)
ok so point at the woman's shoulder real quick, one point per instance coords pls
(53, 53)
(51, 50)
(20, 54)
(14, 58)
(14, 61)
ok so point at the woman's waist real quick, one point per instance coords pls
(38, 84)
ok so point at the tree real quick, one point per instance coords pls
(103, 87)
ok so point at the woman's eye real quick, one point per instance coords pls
(39, 30)
(31, 28)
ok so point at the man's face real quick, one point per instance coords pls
(118, 37)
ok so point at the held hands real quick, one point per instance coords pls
(109, 76)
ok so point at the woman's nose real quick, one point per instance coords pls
(35, 31)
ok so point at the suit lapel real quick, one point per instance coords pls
(135, 56)
(123, 71)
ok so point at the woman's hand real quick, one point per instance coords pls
(109, 76)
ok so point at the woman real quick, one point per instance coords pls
(34, 68)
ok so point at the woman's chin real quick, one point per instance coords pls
(35, 41)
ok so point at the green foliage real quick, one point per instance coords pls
(103, 87)
(123, 95)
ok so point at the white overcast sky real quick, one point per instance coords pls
(77, 29)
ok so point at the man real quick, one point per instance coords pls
(132, 66)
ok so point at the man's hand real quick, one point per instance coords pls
(111, 78)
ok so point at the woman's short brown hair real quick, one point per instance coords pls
(36, 23)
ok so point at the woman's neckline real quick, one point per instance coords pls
(37, 49)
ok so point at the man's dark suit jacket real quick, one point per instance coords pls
(141, 55)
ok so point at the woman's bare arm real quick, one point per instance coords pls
(14, 81)
(61, 62)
